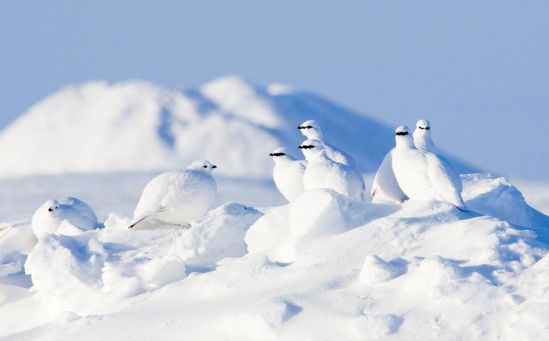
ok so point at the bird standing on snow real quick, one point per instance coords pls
(385, 187)
(177, 197)
(53, 213)
(422, 137)
(423, 175)
(311, 130)
(323, 172)
(423, 141)
(288, 173)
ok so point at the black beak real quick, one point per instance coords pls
(50, 209)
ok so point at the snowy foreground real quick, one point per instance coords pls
(320, 268)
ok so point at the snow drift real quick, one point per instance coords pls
(318, 268)
(137, 126)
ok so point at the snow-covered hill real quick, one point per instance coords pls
(138, 126)
(319, 268)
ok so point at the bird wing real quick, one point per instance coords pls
(153, 195)
(443, 181)
(385, 182)
(78, 213)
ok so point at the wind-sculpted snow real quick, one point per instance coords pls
(319, 268)
(88, 272)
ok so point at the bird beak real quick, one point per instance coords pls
(214, 166)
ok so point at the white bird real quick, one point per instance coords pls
(423, 175)
(288, 173)
(385, 187)
(177, 197)
(311, 130)
(49, 217)
(423, 140)
(422, 137)
(323, 172)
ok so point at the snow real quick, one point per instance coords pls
(321, 267)
(137, 126)
(254, 267)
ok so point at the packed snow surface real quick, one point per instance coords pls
(319, 268)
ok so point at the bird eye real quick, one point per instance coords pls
(205, 166)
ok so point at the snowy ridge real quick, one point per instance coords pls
(139, 126)
(319, 268)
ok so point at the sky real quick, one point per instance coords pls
(479, 70)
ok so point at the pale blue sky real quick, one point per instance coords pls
(478, 69)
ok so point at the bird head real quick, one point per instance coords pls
(203, 165)
(311, 148)
(310, 129)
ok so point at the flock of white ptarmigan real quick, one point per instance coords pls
(413, 170)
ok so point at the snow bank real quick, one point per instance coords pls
(318, 268)
(91, 271)
(496, 197)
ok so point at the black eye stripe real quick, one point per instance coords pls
(304, 127)
(402, 133)
(425, 128)
(306, 147)
(277, 154)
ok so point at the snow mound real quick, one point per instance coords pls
(16, 241)
(89, 272)
(376, 270)
(138, 126)
(321, 267)
(496, 197)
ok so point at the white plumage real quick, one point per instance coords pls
(177, 197)
(385, 187)
(50, 216)
(311, 130)
(323, 172)
(422, 137)
(423, 140)
(423, 175)
(288, 173)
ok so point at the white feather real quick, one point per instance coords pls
(423, 175)
(323, 172)
(288, 174)
(176, 197)
(385, 187)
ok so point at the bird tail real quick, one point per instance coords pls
(146, 217)
(138, 221)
